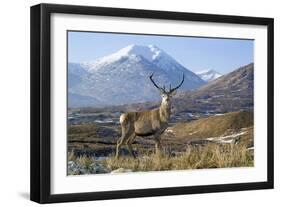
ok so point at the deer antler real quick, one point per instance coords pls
(172, 90)
(159, 88)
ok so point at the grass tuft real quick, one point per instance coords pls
(209, 156)
(84, 161)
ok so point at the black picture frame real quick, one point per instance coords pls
(41, 99)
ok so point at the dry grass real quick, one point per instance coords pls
(214, 126)
(209, 156)
(71, 156)
(213, 155)
(84, 161)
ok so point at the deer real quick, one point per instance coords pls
(148, 122)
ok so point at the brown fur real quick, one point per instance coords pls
(144, 123)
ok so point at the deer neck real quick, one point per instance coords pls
(165, 111)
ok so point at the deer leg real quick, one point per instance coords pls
(125, 135)
(157, 139)
(158, 146)
(119, 143)
(129, 145)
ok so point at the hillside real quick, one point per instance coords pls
(231, 92)
(214, 126)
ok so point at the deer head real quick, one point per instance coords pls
(166, 95)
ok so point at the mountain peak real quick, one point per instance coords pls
(148, 52)
(208, 75)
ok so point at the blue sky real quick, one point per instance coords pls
(196, 54)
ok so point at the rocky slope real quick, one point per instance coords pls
(231, 92)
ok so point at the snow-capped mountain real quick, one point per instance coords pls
(123, 77)
(208, 75)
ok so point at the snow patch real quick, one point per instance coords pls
(226, 139)
(208, 75)
(149, 52)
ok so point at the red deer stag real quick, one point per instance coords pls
(147, 123)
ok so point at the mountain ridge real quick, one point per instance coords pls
(123, 77)
(230, 92)
(215, 98)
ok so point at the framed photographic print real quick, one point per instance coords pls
(133, 103)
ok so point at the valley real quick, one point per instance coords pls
(211, 123)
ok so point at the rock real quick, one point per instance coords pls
(97, 168)
(84, 171)
(73, 168)
(94, 168)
